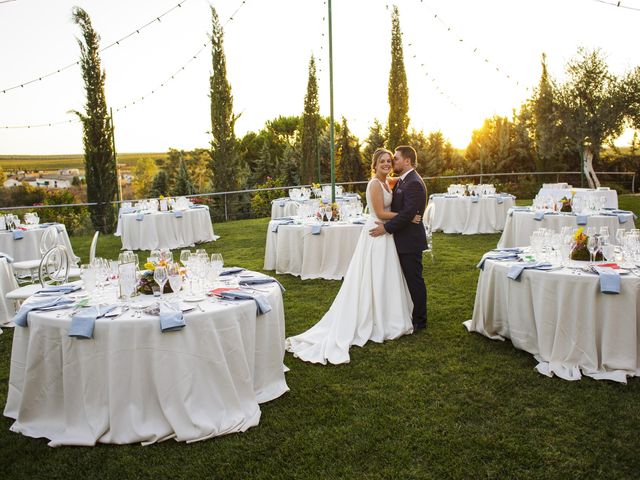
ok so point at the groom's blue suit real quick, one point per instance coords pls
(410, 199)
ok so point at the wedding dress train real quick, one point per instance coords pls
(373, 302)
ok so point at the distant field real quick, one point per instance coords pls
(55, 162)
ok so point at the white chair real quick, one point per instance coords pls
(29, 268)
(94, 244)
(52, 270)
(427, 218)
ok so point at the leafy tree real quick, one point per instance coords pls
(183, 185)
(160, 185)
(592, 103)
(376, 139)
(228, 173)
(99, 158)
(398, 123)
(350, 167)
(287, 166)
(545, 122)
(310, 127)
(143, 175)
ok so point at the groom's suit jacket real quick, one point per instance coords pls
(409, 199)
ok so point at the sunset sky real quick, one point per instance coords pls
(268, 44)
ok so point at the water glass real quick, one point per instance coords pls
(161, 276)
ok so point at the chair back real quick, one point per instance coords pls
(49, 239)
(427, 218)
(94, 244)
(54, 266)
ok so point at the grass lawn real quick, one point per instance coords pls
(441, 404)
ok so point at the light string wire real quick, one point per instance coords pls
(141, 98)
(117, 42)
(618, 4)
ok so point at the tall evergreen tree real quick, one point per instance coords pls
(99, 158)
(225, 164)
(350, 167)
(376, 139)
(398, 123)
(183, 185)
(310, 127)
(545, 122)
(160, 184)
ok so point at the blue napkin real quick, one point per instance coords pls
(497, 256)
(140, 217)
(518, 209)
(18, 234)
(359, 221)
(316, 229)
(262, 305)
(260, 280)
(500, 199)
(609, 279)
(582, 219)
(83, 322)
(197, 206)
(171, 318)
(276, 224)
(58, 289)
(508, 249)
(20, 318)
(178, 213)
(231, 271)
(8, 257)
(516, 270)
(538, 215)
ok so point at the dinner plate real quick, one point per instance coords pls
(194, 298)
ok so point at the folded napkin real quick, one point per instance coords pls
(9, 258)
(58, 289)
(500, 199)
(276, 223)
(538, 216)
(450, 196)
(517, 209)
(197, 206)
(316, 229)
(262, 305)
(140, 217)
(178, 213)
(609, 279)
(516, 270)
(231, 271)
(260, 280)
(359, 221)
(18, 234)
(171, 318)
(497, 256)
(20, 318)
(475, 199)
(509, 249)
(582, 219)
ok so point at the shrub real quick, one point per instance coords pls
(261, 201)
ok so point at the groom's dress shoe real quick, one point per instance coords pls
(419, 326)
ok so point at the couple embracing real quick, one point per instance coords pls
(383, 295)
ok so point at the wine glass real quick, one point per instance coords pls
(593, 245)
(185, 256)
(328, 211)
(175, 278)
(216, 264)
(154, 256)
(161, 276)
(604, 235)
(88, 276)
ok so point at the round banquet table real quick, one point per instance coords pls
(164, 230)
(521, 225)
(294, 250)
(133, 383)
(563, 319)
(460, 214)
(28, 247)
(7, 283)
(286, 207)
(610, 196)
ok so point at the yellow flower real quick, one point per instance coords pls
(161, 197)
(578, 233)
(149, 266)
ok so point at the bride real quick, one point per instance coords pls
(373, 302)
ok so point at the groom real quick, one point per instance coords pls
(409, 199)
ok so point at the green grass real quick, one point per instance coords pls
(55, 162)
(441, 404)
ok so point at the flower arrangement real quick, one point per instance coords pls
(335, 212)
(146, 282)
(566, 204)
(580, 251)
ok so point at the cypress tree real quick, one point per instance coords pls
(99, 158)
(545, 124)
(376, 139)
(224, 159)
(183, 185)
(310, 127)
(398, 123)
(160, 184)
(349, 159)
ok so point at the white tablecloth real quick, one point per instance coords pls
(610, 196)
(7, 283)
(462, 215)
(132, 383)
(164, 230)
(28, 247)
(294, 250)
(563, 319)
(288, 208)
(519, 227)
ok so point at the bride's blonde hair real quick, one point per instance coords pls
(376, 158)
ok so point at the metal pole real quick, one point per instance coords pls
(318, 160)
(331, 132)
(115, 157)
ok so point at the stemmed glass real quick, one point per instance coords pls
(175, 278)
(161, 276)
(328, 211)
(593, 245)
(604, 235)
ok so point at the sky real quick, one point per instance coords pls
(466, 60)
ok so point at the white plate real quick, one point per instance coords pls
(194, 298)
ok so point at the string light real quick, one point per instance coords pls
(141, 98)
(117, 42)
(618, 4)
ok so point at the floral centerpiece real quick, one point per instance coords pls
(146, 282)
(335, 212)
(566, 204)
(580, 251)
(316, 189)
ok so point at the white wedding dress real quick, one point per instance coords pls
(373, 302)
